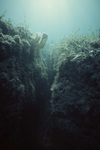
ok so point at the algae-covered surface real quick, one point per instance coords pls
(49, 94)
(75, 99)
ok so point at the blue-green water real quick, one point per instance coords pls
(49, 98)
(56, 18)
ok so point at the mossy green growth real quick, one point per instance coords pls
(76, 47)
(3, 14)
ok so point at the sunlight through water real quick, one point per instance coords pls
(55, 17)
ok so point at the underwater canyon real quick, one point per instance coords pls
(49, 94)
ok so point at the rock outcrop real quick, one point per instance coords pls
(32, 116)
(21, 71)
(75, 103)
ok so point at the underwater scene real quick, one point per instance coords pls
(49, 75)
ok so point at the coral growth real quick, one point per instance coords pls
(38, 44)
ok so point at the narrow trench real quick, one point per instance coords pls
(24, 89)
(35, 117)
(48, 104)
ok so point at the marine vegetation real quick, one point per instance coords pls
(49, 95)
(75, 90)
(22, 69)
(3, 14)
(76, 47)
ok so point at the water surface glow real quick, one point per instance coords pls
(56, 17)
